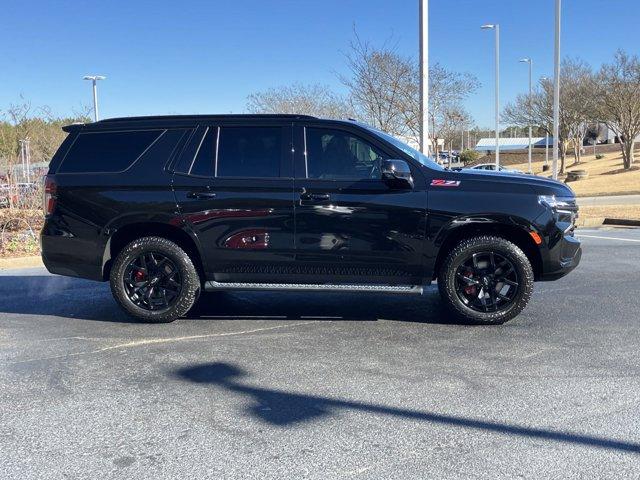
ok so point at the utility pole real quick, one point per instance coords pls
(546, 148)
(556, 91)
(530, 62)
(28, 158)
(424, 76)
(94, 79)
(496, 28)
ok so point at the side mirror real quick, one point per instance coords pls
(397, 174)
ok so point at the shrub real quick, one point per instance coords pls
(469, 156)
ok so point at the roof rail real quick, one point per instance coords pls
(212, 116)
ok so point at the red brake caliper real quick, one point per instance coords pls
(469, 289)
(139, 275)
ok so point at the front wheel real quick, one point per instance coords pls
(154, 280)
(486, 279)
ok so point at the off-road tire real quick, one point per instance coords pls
(462, 251)
(191, 282)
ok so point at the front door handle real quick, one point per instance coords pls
(201, 195)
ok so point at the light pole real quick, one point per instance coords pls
(530, 62)
(94, 79)
(556, 91)
(546, 130)
(424, 76)
(496, 28)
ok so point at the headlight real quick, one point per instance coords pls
(558, 203)
(565, 210)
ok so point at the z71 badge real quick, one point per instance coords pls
(445, 183)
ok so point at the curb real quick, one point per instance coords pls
(21, 262)
(590, 222)
(622, 221)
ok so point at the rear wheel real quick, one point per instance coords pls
(154, 280)
(486, 279)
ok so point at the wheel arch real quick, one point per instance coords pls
(514, 232)
(129, 232)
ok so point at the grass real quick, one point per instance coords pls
(606, 176)
(627, 212)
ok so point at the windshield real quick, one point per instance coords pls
(412, 152)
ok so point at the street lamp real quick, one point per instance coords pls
(546, 137)
(496, 28)
(94, 79)
(530, 62)
(556, 91)
(424, 76)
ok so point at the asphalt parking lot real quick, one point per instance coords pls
(273, 385)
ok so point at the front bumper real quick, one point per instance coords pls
(562, 257)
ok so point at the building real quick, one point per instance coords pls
(520, 143)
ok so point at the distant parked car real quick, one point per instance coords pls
(4, 195)
(446, 157)
(15, 192)
(492, 167)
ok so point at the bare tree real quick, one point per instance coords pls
(576, 108)
(617, 90)
(447, 91)
(16, 128)
(316, 100)
(384, 91)
(382, 86)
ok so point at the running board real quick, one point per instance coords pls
(310, 287)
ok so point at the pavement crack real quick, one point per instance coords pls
(154, 341)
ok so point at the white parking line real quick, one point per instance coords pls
(609, 238)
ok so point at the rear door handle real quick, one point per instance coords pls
(201, 195)
(315, 196)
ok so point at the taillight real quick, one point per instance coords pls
(49, 197)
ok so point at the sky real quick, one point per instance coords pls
(168, 57)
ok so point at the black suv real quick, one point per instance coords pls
(166, 207)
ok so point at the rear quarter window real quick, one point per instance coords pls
(107, 152)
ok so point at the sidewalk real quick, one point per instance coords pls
(610, 200)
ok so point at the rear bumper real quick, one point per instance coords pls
(562, 258)
(69, 256)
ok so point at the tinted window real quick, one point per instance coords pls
(107, 152)
(249, 152)
(334, 154)
(205, 154)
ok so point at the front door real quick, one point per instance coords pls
(350, 225)
(234, 187)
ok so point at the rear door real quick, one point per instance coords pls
(350, 225)
(234, 186)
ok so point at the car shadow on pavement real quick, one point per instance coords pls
(282, 408)
(83, 299)
(425, 308)
(59, 296)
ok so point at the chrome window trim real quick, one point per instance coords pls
(193, 160)
(215, 169)
(306, 162)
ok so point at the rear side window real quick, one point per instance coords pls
(249, 152)
(204, 154)
(107, 152)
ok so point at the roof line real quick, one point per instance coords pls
(203, 116)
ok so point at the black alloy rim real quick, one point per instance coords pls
(152, 281)
(487, 282)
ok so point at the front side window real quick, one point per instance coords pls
(249, 152)
(335, 154)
